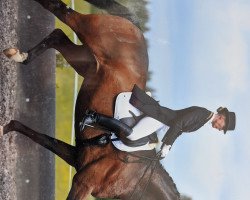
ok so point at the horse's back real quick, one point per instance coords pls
(122, 60)
(114, 41)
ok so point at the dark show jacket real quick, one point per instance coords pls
(179, 121)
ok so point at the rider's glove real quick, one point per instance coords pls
(164, 150)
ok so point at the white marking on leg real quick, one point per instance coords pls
(19, 57)
(14, 54)
(1, 131)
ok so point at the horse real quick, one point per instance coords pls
(112, 58)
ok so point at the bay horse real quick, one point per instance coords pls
(112, 58)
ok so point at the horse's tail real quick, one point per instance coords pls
(115, 8)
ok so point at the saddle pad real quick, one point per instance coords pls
(122, 110)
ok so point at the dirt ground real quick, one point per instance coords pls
(27, 94)
(8, 37)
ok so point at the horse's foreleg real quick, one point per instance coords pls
(79, 57)
(63, 150)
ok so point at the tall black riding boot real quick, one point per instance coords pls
(122, 130)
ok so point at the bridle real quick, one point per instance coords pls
(105, 138)
(153, 161)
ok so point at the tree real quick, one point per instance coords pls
(137, 8)
(184, 197)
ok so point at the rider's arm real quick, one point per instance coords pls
(179, 126)
(188, 122)
(168, 140)
(172, 134)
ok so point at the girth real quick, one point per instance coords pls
(99, 140)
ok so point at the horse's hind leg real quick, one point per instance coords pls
(60, 10)
(63, 150)
(78, 56)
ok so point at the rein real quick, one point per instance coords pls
(152, 165)
(105, 139)
(141, 159)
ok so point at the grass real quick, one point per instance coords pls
(64, 110)
(64, 105)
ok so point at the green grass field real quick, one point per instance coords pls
(64, 106)
(64, 110)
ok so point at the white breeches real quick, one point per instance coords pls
(144, 127)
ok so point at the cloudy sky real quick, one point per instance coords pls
(199, 55)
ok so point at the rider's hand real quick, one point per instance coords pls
(164, 150)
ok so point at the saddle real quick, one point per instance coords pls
(128, 114)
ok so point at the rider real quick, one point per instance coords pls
(156, 117)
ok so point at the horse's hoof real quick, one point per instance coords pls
(14, 54)
(1, 131)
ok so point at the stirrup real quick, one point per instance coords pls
(89, 118)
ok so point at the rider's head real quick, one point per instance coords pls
(224, 120)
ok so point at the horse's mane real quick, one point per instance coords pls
(155, 174)
(166, 178)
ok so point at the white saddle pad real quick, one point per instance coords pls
(122, 108)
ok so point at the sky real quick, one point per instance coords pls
(199, 55)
